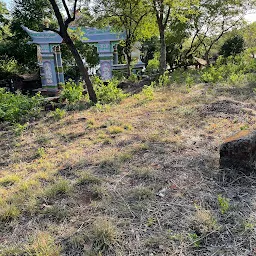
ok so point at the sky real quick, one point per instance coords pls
(250, 17)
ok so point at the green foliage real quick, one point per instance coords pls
(223, 204)
(212, 75)
(133, 78)
(61, 187)
(87, 178)
(58, 114)
(43, 245)
(18, 107)
(8, 212)
(8, 67)
(189, 81)
(153, 66)
(164, 79)
(108, 93)
(148, 92)
(19, 128)
(232, 46)
(195, 239)
(232, 70)
(72, 92)
(29, 13)
(105, 234)
(9, 180)
(40, 152)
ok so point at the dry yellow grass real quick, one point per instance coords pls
(133, 150)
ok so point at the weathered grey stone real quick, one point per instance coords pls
(239, 152)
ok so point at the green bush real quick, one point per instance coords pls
(108, 93)
(58, 114)
(8, 67)
(164, 79)
(72, 92)
(17, 107)
(153, 66)
(232, 70)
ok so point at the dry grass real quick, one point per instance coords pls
(138, 178)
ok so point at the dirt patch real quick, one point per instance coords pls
(227, 107)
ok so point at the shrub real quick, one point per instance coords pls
(164, 79)
(18, 107)
(8, 67)
(58, 114)
(72, 92)
(232, 46)
(153, 66)
(148, 92)
(108, 93)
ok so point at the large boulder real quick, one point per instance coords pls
(239, 152)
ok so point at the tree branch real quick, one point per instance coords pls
(66, 8)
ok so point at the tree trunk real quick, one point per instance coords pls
(127, 51)
(129, 60)
(207, 57)
(82, 68)
(162, 51)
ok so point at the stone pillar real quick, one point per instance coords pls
(59, 65)
(115, 55)
(106, 60)
(56, 64)
(49, 76)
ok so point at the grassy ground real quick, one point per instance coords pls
(138, 178)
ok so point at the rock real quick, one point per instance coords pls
(239, 152)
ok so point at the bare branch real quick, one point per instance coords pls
(66, 8)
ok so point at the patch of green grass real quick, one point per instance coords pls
(105, 234)
(8, 212)
(128, 127)
(40, 152)
(61, 187)
(9, 180)
(43, 245)
(223, 204)
(115, 129)
(11, 251)
(43, 139)
(19, 128)
(58, 114)
(142, 193)
(55, 212)
(87, 178)
(110, 166)
(195, 239)
(98, 192)
(142, 173)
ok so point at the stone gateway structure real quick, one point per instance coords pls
(49, 54)
(49, 58)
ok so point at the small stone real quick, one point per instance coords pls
(239, 152)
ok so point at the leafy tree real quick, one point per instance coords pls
(29, 13)
(132, 16)
(64, 23)
(176, 36)
(3, 19)
(164, 10)
(249, 35)
(212, 20)
(232, 46)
